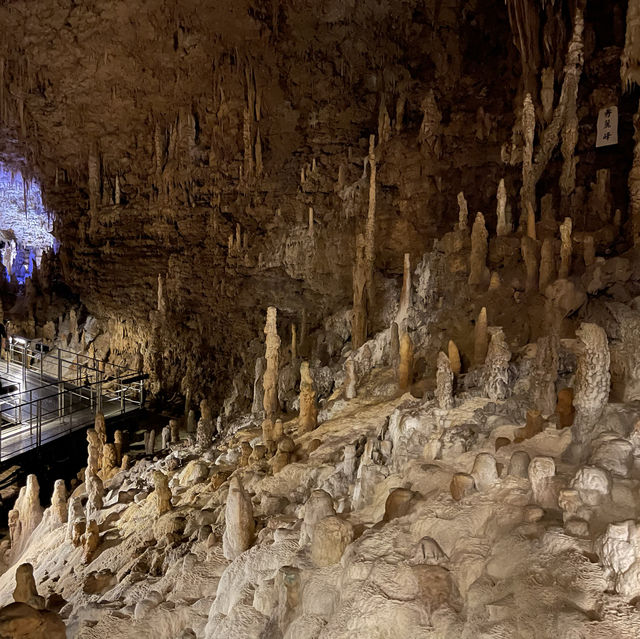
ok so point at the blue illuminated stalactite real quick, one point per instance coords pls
(23, 217)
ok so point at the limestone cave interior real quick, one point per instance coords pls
(320, 319)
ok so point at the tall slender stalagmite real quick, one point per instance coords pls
(272, 355)
(528, 191)
(502, 227)
(463, 213)
(405, 366)
(308, 419)
(405, 294)
(565, 248)
(481, 338)
(454, 357)
(478, 272)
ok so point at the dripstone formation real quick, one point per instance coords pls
(366, 412)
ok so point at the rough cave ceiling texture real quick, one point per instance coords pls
(160, 129)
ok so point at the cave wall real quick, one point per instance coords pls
(188, 140)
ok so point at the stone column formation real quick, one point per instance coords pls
(204, 431)
(478, 273)
(496, 374)
(591, 389)
(444, 383)
(239, 522)
(272, 355)
(308, 419)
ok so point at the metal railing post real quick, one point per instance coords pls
(70, 411)
(30, 413)
(39, 424)
(41, 363)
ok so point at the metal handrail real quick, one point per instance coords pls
(52, 415)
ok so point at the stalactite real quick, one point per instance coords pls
(572, 73)
(525, 25)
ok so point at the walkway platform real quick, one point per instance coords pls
(46, 395)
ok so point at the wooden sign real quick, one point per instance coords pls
(607, 130)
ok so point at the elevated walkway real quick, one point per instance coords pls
(45, 395)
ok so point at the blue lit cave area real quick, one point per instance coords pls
(25, 226)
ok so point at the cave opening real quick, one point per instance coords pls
(25, 225)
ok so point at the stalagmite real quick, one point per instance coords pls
(478, 272)
(350, 379)
(591, 391)
(547, 265)
(25, 590)
(480, 338)
(268, 436)
(94, 445)
(204, 430)
(543, 381)
(90, 541)
(100, 427)
(272, 355)
(566, 248)
(405, 294)
(59, 509)
(496, 374)
(28, 515)
(310, 222)
(166, 437)
(162, 493)
(191, 421)
(444, 383)
(174, 427)
(454, 358)
(528, 190)
(239, 522)
(529, 249)
(502, 227)
(109, 462)
(95, 495)
(308, 419)
(494, 282)
(531, 223)
(405, 366)
(118, 442)
(463, 213)
(541, 473)
(462, 485)
(257, 406)
(394, 346)
(484, 472)
(149, 441)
